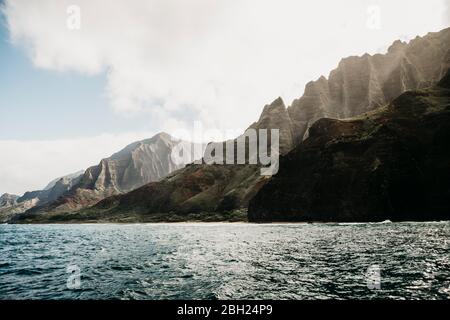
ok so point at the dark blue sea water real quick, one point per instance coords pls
(225, 261)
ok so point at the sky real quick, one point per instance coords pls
(81, 79)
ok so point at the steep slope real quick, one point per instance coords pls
(136, 165)
(393, 163)
(361, 84)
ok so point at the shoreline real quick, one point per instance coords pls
(210, 223)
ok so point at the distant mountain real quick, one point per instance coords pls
(361, 84)
(389, 164)
(11, 205)
(8, 200)
(137, 164)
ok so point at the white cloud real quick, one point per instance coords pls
(219, 61)
(30, 165)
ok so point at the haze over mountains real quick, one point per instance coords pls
(134, 182)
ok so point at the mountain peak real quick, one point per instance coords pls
(364, 83)
(71, 176)
(278, 103)
(125, 152)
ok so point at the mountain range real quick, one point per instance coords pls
(140, 183)
(137, 164)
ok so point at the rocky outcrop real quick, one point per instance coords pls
(392, 163)
(361, 84)
(139, 163)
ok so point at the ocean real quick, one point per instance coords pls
(226, 261)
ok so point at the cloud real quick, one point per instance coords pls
(447, 14)
(30, 165)
(216, 61)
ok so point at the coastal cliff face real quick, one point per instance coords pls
(197, 192)
(361, 84)
(392, 163)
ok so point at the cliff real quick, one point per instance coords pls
(392, 163)
(137, 164)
